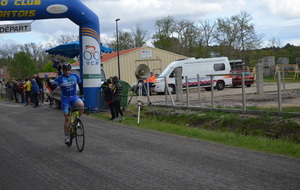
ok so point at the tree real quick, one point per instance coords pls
(188, 37)
(128, 40)
(207, 35)
(274, 43)
(22, 66)
(236, 36)
(7, 52)
(62, 39)
(140, 36)
(36, 52)
(163, 38)
(48, 67)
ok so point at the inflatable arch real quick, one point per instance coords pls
(89, 39)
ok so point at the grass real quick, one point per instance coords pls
(213, 129)
(270, 109)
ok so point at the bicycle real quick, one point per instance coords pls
(76, 128)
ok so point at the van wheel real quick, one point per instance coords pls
(220, 85)
(171, 89)
(248, 85)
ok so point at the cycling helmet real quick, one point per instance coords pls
(66, 66)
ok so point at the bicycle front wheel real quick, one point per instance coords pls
(72, 134)
(79, 137)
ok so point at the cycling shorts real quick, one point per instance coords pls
(67, 102)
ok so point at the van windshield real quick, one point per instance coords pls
(166, 72)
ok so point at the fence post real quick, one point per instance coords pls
(283, 78)
(259, 78)
(279, 92)
(167, 90)
(243, 91)
(187, 91)
(178, 84)
(199, 88)
(212, 91)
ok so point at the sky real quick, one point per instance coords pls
(274, 19)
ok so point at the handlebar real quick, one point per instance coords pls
(73, 109)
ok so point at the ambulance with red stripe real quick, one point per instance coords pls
(191, 68)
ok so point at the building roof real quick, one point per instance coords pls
(50, 74)
(112, 55)
(109, 56)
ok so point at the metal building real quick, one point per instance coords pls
(156, 59)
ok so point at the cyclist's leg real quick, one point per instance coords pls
(78, 103)
(67, 123)
(65, 104)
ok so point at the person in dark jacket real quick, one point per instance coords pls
(108, 97)
(41, 86)
(57, 65)
(35, 93)
(15, 89)
(117, 92)
(8, 91)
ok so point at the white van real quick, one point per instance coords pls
(190, 68)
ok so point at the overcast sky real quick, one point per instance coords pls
(278, 19)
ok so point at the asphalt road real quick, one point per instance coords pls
(33, 156)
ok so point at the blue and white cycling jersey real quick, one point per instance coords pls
(68, 84)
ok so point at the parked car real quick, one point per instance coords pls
(237, 79)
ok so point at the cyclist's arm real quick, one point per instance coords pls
(80, 85)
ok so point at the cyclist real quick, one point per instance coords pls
(67, 82)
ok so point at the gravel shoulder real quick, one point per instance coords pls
(232, 97)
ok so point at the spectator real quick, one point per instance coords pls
(27, 88)
(8, 91)
(108, 97)
(49, 87)
(151, 81)
(15, 89)
(41, 87)
(116, 90)
(58, 65)
(35, 93)
(21, 91)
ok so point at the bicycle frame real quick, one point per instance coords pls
(73, 116)
(76, 129)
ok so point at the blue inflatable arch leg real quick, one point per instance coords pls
(89, 34)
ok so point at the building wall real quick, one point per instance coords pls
(4, 73)
(156, 59)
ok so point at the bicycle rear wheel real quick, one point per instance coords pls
(79, 137)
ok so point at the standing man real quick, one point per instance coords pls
(35, 93)
(41, 87)
(15, 88)
(117, 92)
(27, 88)
(67, 82)
(151, 80)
